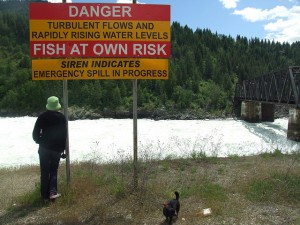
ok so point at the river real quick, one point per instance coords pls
(105, 140)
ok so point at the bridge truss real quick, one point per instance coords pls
(281, 86)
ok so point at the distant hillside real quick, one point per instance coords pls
(204, 69)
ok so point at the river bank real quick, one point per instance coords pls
(262, 189)
(78, 113)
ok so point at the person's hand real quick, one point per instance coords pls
(63, 155)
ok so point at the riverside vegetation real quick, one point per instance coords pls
(261, 189)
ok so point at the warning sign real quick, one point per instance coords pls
(77, 69)
(99, 30)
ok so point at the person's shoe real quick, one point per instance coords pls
(54, 196)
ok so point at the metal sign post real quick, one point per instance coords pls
(65, 101)
(135, 149)
(66, 105)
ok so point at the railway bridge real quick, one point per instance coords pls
(256, 98)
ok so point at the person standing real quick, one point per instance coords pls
(50, 132)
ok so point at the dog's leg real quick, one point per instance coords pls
(171, 220)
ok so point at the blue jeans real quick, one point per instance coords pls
(49, 162)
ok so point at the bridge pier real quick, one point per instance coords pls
(267, 112)
(251, 111)
(293, 132)
(256, 112)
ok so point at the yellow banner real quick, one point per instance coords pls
(89, 30)
(100, 68)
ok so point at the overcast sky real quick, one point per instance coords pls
(277, 20)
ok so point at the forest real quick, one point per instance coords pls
(203, 70)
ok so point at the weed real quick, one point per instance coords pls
(186, 192)
(182, 165)
(278, 187)
(32, 198)
(213, 159)
(211, 191)
(201, 155)
(165, 165)
(193, 170)
(118, 189)
(234, 157)
(259, 190)
(221, 170)
(276, 153)
(288, 186)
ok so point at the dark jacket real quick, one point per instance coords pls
(50, 131)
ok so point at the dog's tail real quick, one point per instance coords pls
(177, 195)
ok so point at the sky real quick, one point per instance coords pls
(277, 20)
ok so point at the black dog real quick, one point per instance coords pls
(171, 208)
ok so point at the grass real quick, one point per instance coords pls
(237, 189)
(276, 188)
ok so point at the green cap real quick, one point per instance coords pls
(53, 103)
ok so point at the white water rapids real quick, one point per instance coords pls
(112, 139)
